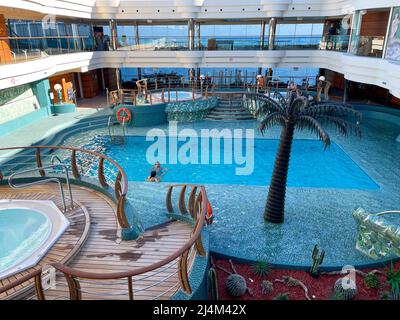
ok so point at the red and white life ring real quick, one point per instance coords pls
(124, 115)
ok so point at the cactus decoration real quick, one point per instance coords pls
(345, 287)
(212, 284)
(318, 258)
(266, 287)
(236, 285)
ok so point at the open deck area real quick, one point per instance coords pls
(92, 244)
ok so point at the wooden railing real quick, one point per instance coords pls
(197, 204)
(115, 178)
(167, 87)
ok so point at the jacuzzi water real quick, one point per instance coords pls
(310, 165)
(176, 95)
(22, 232)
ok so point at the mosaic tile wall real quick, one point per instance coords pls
(16, 102)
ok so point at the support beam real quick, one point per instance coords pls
(136, 34)
(272, 33)
(114, 36)
(191, 34)
(198, 35)
(345, 92)
(118, 78)
(262, 35)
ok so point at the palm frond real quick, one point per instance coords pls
(269, 103)
(297, 104)
(272, 119)
(343, 126)
(280, 97)
(334, 110)
(312, 125)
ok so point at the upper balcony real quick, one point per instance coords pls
(30, 48)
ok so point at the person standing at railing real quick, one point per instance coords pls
(330, 39)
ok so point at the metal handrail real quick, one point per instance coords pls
(387, 212)
(44, 181)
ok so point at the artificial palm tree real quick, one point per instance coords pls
(297, 111)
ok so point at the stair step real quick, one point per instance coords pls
(229, 109)
(224, 113)
(229, 119)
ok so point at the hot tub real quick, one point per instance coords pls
(176, 96)
(28, 229)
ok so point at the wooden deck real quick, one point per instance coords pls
(103, 252)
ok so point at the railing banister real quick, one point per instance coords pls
(39, 162)
(183, 275)
(38, 287)
(100, 173)
(170, 208)
(74, 166)
(182, 205)
(73, 287)
(130, 288)
(192, 198)
(121, 214)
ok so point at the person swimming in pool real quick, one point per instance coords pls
(160, 171)
(153, 177)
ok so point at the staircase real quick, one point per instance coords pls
(229, 108)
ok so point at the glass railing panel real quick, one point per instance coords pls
(367, 46)
(297, 42)
(162, 43)
(231, 43)
(335, 43)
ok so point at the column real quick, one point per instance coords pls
(137, 44)
(198, 35)
(346, 86)
(118, 78)
(262, 35)
(136, 31)
(191, 34)
(113, 30)
(272, 33)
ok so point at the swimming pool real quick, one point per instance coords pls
(28, 229)
(314, 215)
(310, 165)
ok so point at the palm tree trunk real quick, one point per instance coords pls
(275, 207)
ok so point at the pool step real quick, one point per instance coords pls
(229, 109)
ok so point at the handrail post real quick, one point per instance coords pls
(121, 215)
(39, 162)
(183, 275)
(74, 167)
(73, 287)
(100, 174)
(130, 288)
(38, 287)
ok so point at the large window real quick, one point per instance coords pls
(231, 36)
(163, 37)
(298, 35)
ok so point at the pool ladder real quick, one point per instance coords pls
(116, 139)
(44, 181)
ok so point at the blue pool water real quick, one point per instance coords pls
(175, 95)
(22, 231)
(310, 165)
